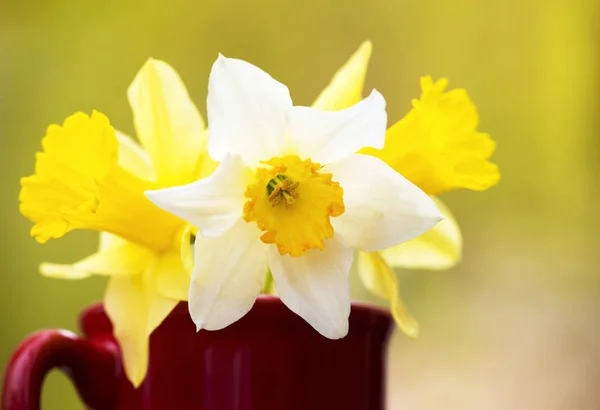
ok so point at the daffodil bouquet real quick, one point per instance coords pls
(274, 197)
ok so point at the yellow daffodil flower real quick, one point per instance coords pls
(437, 147)
(90, 176)
(290, 194)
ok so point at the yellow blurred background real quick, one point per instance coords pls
(516, 324)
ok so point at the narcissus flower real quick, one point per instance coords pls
(291, 195)
(90, 176)
(438, 148)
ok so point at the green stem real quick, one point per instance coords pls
(267, 287)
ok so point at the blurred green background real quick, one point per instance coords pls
(515, 326)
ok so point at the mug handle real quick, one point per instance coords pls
(92, 366)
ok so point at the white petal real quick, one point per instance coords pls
(212, 204)
(315, 286)
(326, 136)
(228, 275)
(246, 111)
(383, 208)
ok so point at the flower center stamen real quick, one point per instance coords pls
(282, 188)
(292, 201)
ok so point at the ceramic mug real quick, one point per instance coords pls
(271, 359)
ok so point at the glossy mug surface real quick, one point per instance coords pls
(271, 359)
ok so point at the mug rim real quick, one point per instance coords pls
(262, 302)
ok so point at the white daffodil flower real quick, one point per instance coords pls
(290, 195)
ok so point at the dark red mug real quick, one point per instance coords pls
(271, 359)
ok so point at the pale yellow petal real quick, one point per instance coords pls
(135, 310)
(206, 166)
(111, 254)
(168, 124)
(122, 259)
(159, 308)
(173, 279)
(381, 280)
(108, 240)
(126, 305)
(64, 271)
(437, 249)
(133, 158)
(346, 86)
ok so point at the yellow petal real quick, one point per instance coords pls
(133, 158)
(381, 280)
(439, 248)
(135, 309)
(437, 146)
(122, 259)
(168, 124)
(173, 279)
(346, 87)
(76, 155)
(78, 184)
